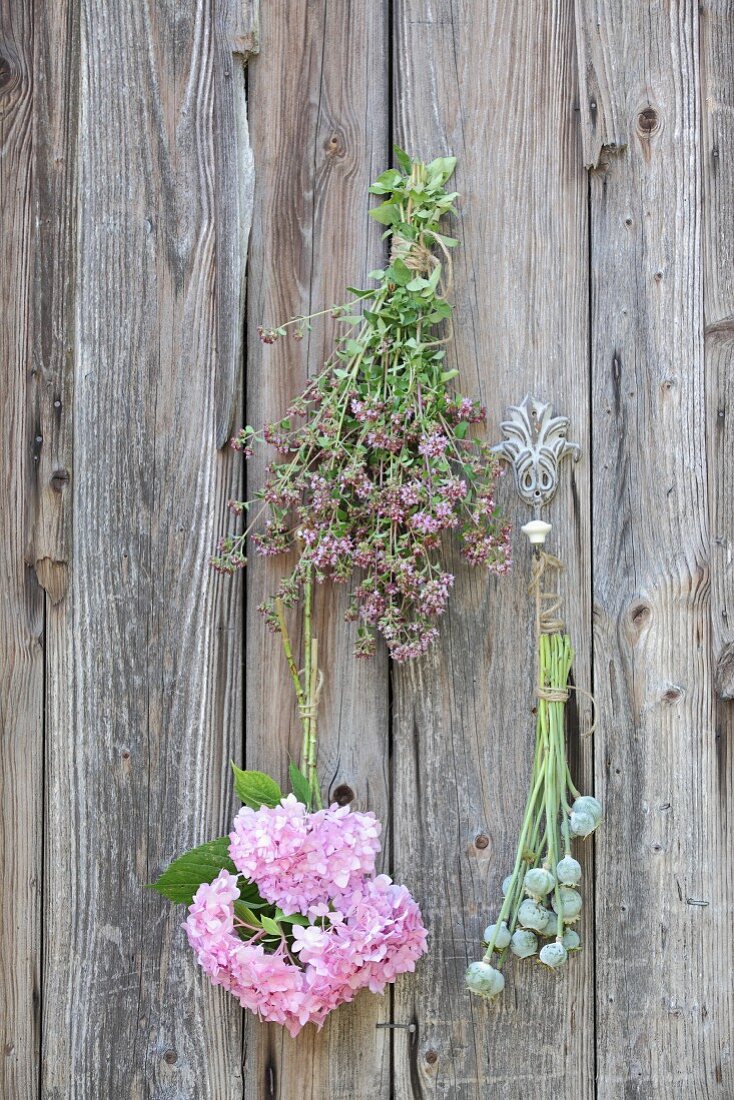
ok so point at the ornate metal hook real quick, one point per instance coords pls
(535, 443)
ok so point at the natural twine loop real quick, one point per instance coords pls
(309, 704)
(548, 621)
(547, 604)
(553, 695)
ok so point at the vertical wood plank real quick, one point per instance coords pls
(21, 598)
(495, 85)
(144, 659)
(56, 65)
(664, 1004)
(717, 58)
(716, 22)
(319, 112)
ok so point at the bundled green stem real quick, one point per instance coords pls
(307, 686)
(540, 895)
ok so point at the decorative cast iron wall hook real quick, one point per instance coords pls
(535, 443)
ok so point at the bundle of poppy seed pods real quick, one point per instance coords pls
(541, 896)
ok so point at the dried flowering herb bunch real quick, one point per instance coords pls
(378, 456)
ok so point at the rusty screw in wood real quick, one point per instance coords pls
(431, 1057)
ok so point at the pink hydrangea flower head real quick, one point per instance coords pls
(373, 933)
(300, 859)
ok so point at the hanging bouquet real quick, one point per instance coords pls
(542, 901)
(376, 460)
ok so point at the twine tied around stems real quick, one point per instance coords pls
(418, 258)
(308, 705)
(414, 255)
(548, 621)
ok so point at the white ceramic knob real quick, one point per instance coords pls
(537, 531)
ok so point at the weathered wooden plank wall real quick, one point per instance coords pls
(595, 268)
(663, 885)
(462, 84)
(21, 597)
(319, 117)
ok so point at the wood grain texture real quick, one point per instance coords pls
(717, 100)
(127, 180)
(236, 40)
(319, 112)
(144, 660)
(494, 85)
(664, 997)
(56, 68)
(21, 598)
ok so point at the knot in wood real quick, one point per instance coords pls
(334, 147)
(648, 121)
(59, 480)
(639, 614)
(481, 841)
(11, 71)
(343, 794)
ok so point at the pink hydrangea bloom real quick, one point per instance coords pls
(300, 859)
(373, 933)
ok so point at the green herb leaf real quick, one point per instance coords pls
(403, 159)
(182, 878)
(441, 169)
(386, 214)
(255, 789)
(448, 242)
(432, 281)
(399, 273)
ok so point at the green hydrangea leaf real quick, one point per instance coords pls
(246, 914)
(299, 784)
(293, 918)
(182, 878)
(255, 789)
